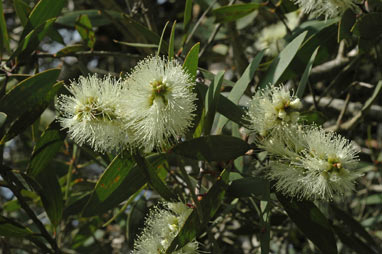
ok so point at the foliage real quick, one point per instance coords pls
(58, 196)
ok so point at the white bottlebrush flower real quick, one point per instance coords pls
(161, 227)
(160, 102)
(92, 114)
(311, 163)
(272, 107)
(271, 38)
(328, 8)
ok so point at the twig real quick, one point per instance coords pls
(342, 113)
(89, 53)
(331, 66)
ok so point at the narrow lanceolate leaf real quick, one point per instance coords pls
(3, 117)
(28, 94)
(39, 170)
(282, 61)
(71, 49)
(161, 38)
(85, 29)
(355, 227)
(43, 11)
(212, 101)
(346, 23)
(226, 107)
(311, 222)
(191, 62)
(153, 178)
(31, 114)
(187, 15)
(240, 87)
(22, 10)
(209, 205)
(142, 31)
(212, 148)
(9, 228)
(248, 187)
(4, 40)
(234, 12)
(121, 179)
(171, 46)
(31, 41)
(305, 77)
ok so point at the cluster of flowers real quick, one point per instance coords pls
(328, 8)
(305, 162)
(149, 109)
(161, 227)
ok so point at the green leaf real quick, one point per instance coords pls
(28, 94)
(48, 187)
(140, 31)
(171, 45)
(137, 45)
(240, 87)
(31, 114)
(352, 241)
(161, 38)
(96, 17)
(226, 107)
(312, 117)
(320, 33)
(346, 24)
(209, 204)
(355, 227)
(304, 79)
(234, 12)
(121, 179)
(311, 222)
(70, 50)
(211, 102)
(4, 40)
(9, 228)
(238, 162)
(191, 62)
(374, 199)
(153, 178)
(31, 41)
(249, 186)
(212, 148)
(22, 10)
(187, 16)
(85, 29)
(136, 219)
(282, 61)
(43, 11)
(3, 118)
(368, 26)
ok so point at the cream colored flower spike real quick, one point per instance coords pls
(272, 107)
(311, 163)
(161, 227)
(328, 8)
(159, 103)
(92, 114)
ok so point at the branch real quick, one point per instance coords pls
(331, 67)
(89, 53)
(358, 109)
